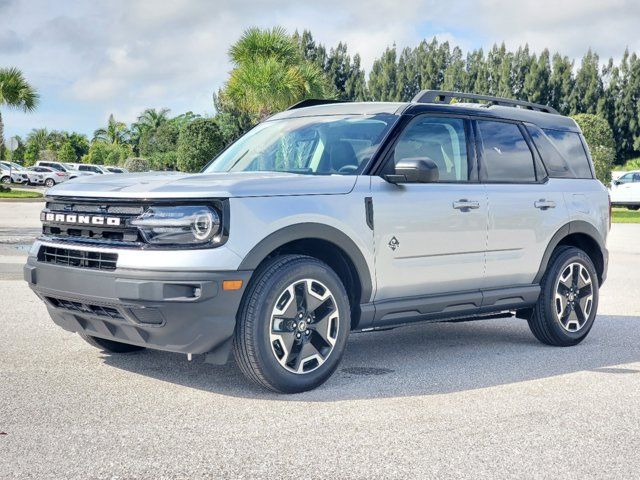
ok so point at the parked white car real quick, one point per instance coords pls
(63, 167)
(47, 176)
(625, 190)
(13, 173)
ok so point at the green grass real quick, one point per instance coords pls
(20, 194)
(623, 215)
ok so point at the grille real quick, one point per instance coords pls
(85, 308)
(121, 235)
(78, 258)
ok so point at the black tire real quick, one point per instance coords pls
(256, 352)
(545, 323)
(6, 180)
(634, 207)
(110, 345)
(49, 182)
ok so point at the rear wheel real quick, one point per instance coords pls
(566, 308)
(6, 180)
(634, 207)
(109, 345)
(49, 182)
(293, 325)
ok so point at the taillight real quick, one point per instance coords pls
(60, 174)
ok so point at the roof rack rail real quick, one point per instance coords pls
(312, 102)
(442, 97)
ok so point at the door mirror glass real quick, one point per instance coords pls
(415, 170)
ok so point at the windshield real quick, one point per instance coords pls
(333, 144)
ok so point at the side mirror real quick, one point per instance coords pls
(617, 182)
(415, 170)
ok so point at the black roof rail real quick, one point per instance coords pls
(312, 102)
(439, 96)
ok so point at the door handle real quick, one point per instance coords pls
(466, 205)
(543, 204)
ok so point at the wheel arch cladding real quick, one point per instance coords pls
(582, 235)
(327, 244)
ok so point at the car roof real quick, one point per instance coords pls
(542, 119)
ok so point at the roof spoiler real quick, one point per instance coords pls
(442, 97)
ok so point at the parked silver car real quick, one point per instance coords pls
(329, 218)
(47, 176)
(15, 173)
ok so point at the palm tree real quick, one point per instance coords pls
(269, 74)
(15, 92)
(115, 133)
(152, 118)
(39, 137)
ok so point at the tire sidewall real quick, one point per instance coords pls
(277, 375)
(572, 255)
(49, 183)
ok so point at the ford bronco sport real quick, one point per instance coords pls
(329, 218)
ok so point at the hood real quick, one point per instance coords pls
(204, 185)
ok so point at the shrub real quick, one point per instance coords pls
(199, 142)
(136, 164)
(67, 153)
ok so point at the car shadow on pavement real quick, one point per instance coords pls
(424, 359)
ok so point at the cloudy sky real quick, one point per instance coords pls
(92, 58)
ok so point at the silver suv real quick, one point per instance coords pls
(330, 218)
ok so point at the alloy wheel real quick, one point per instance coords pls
(574, 297)
(304, 326)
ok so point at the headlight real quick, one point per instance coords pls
(179, 225)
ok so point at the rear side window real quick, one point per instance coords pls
(570, 147)
(506, 156)
(562, 152)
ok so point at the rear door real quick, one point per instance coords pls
(430, 238)
(526, 208)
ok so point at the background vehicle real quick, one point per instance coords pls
(92, 169)
(17, 173)
(328, 218)
(625, 190)
(62, 167)
(47, 176)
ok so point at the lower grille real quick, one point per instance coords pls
(78, 258)
(85, 308)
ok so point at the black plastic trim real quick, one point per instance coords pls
(315, 231)
(368, 206)
(440, 307)
(577, 226)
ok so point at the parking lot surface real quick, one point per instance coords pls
(454, 400)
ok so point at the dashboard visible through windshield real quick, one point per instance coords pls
(322, 145)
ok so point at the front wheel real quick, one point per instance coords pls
(6, 180)
(633, 207)
(569, 291)
(293, 324)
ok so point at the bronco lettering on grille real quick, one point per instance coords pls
(75, 219)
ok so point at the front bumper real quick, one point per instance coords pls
(177, 311)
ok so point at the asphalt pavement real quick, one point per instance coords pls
(453, 400)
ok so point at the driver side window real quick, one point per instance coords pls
(439, 139)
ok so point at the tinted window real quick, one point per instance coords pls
(506, 157)
(570, 147)
(439, 139)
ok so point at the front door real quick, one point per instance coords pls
(431, 238)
